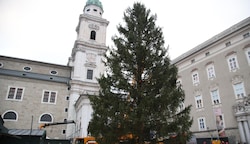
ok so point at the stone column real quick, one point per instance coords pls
(242, 134)
(247, 131)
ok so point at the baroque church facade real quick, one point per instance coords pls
(34, 93)
(215, 77)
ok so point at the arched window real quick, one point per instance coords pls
(92, 35)
(46, 118)
(10, 115)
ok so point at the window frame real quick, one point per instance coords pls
(49, 97)
(198, 98)
(210, 71)
(15, 93)
(227, 44)
(52, 119)
(247, 52)
(27, 70)
(92, 74)
(218, 97)
(235, 90)
(246, 35)
(203, 123)
(233, 66)
(181, 107)
(93, 35)
(179, 82)
(10, 119)
(195, 79)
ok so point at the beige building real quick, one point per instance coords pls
(215, 76)
(33, 93)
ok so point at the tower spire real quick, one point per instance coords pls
(94, 2)
(94, 8)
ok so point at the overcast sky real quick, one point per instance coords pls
(44, 30)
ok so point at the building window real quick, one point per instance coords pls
(228, 44)
(248, 55)
(53, 72)
(181, 107)
(67, 97)
(215, 97)
(239, 90)
(193, 60)
(89, 74)
(198, 101)
(49, 97)
(27, 68)
(202, 123)
(210, 71)
(207, 53)
(178, 82)
(64, 132)
(1, 65)
(46, 118)
(92, 35)
(246, 35)
(66, 110)
(195, 77)
(15, 93)
(232, 63)
(10, 116)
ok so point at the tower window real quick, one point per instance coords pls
(88, 9)
(95, 10)
(92, 35)
(90, 74)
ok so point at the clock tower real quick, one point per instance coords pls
(86, 63)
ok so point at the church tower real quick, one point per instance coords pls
(86, 62)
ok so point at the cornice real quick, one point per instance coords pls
(84, 83)
(86, 17)
(244, 23)
(83, 46)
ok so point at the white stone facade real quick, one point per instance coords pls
(215, 76)
(86, 62)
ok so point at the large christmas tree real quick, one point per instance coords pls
(139, 97)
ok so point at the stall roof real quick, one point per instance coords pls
(22, 132)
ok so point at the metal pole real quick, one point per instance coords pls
(31, 128)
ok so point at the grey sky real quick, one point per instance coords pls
(44, 30)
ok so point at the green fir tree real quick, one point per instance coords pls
(138, 92)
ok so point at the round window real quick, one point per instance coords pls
(53, 72)
(27, 68)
